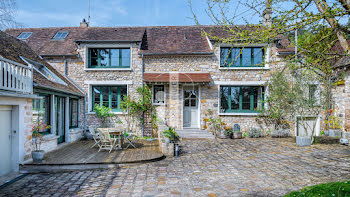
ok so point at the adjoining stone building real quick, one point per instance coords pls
(32, 90)
(188, 73)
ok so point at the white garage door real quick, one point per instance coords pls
(5, 139)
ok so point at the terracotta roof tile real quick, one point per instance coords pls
(12, 48)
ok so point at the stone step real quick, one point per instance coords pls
(195, 134)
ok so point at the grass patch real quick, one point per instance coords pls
(337, 189)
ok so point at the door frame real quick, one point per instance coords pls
(198, 106)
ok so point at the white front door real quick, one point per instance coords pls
(5, 139)
(190, 106)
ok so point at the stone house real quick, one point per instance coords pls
(32, 90)
(189, 74)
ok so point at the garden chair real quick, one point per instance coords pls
(130, 139)
(95, 136)
(107, 143)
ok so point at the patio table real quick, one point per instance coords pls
(119, 133)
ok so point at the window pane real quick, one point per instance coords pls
(258, 56)
(125, 57)
(247, 57)
(96, 95)
(105, 96)
(234, 98)
(236, 56)
(104, 57)
(193, 102)
(114, 57)
(114, 97)
(257, 93)
(74, 113)
(224, 99)
(123, 92)
(246, 98)
(93, 57)
(187, 102)
(224, 56)
(158, 94)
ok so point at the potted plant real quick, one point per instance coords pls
(170, 135)
(334, 125)
(103, 113)
(237, 134)
(37, 138)
(229, 133)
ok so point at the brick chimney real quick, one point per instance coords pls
(84, 23)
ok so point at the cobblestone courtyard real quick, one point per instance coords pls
(248, 167)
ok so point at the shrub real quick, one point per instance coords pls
(171, 134)
(280, 133)
(254, 133)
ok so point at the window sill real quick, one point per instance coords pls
(158, 104)
(93, 113)
(239, 114)
(244, 68)
(107, 69)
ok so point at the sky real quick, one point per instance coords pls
(50, 13)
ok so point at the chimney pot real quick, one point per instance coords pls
(84, 23)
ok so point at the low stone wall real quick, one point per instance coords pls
(49, 143)
(75, 134)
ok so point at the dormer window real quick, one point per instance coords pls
(24, 35)
(61, 35)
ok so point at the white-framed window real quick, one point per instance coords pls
(158, 95)
(60, 35)
(24, 35)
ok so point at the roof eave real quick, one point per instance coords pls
(89, 41)
(36, 85)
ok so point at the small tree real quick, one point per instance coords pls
(103, 113)
(137, 108)
(278, 103)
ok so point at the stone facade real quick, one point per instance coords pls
(172, 112)
(341, 102)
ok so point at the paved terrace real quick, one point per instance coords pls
(247, 167)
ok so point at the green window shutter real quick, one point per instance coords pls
(251, 99)
(101, 96)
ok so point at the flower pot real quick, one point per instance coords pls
(326, 133)
(166, 140)
(38, 156)
(303, 140)
(334, 132)
(222, 134)
(237, 135)
(88, 135)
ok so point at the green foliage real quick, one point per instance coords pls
(337, 189)
(37, 136)
(279, 101)
(137, 107)
(254, 133)
(103, 113)
(333, 122)
(229, 132)
(216, 124)
(171, 134)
